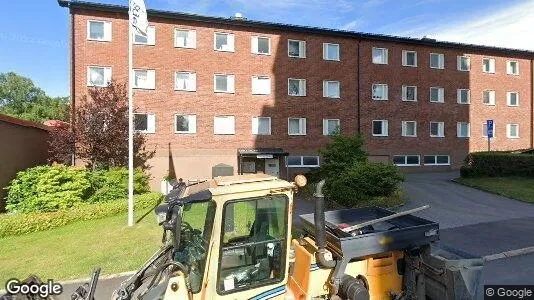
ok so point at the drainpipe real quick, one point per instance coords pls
(320, 235)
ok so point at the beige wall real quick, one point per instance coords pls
(21, 147)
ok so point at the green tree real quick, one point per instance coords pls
(19, 97)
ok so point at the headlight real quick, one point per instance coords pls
(161, 212)
(160, 217)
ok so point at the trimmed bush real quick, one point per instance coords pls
(16, 224)
(480, 164)
(113, 184)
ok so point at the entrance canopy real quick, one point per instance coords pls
(261, 152)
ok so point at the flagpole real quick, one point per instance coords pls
(130, 121)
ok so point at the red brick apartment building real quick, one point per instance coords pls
(264, 97)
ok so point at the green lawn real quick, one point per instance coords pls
(519, 188)
(72, 251)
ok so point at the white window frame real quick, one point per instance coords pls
(302, 87)
(509, 67)
(508, 131)
(405, 93)
(386, 93)
(508, 98)
(441, 94)
(404, 128)
(459, 96)
(459, 63)
(107, 76)
(325, 89)
(326, 52)
(491, 65)
(436, 160)
(384, 127)
(458, 129)
(256, 121)
(302, 48)
(255, 44)
(222, 132)
(405, 164)
(441, 61)
(384, 56)
(193, 81)
(151, 123)
(150, 38)
(405, 58)
(302, 126)
(230, 83)
(192, 123)
(492, 97)
(325, 126)
(192, 35)
(256, 89)
(302, 165)
(230, 39)
(151, 79)
(441, 129)
(485, 126)
(107, 31)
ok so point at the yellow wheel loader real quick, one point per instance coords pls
(231, 238)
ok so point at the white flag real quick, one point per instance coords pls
(138, 17)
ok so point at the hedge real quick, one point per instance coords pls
(16, 224)
(492, 164)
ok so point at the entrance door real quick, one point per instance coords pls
(272, 166)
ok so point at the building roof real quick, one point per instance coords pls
(21, 122)
(294, 28)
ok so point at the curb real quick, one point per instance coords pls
(509, 254)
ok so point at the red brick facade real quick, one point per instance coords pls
(194, 154)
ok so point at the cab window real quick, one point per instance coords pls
(253, 243)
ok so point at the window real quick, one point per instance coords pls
(437, 160)
(409, 93)
(185, 81)
(144, 79)
(296, 87)
(331, 89)
(512, 68)
(437, 61)
(409, 128)
(330, 126)
(261, 45)
(302, 161)
(98, 76)
(224, 83)
(464, 63)
(380, 56)
(437, 129)
(185, 123)
(488, 97)
(380, 91)
(99, 31)
(296, 49)
(145, 123)
(149, 39)
(488, 65)
(437, 94)
(512, 98)
(485, 129)
(224, 125)
(261, 85)
(463, 96)
(512, 131)
(185, 38)
(296, 126)
(406, 160)
(409, 58)
(223, 42)
(253, 243)
(380, 128)
(261, 125)
(330, 51)
(463, 129)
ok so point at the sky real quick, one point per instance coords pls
(34, 33)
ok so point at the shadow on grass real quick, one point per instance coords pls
(147, 213)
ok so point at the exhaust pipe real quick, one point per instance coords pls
(320, 234)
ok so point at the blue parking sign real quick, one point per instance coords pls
(489, 125)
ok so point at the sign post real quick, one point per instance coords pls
(489, 129)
